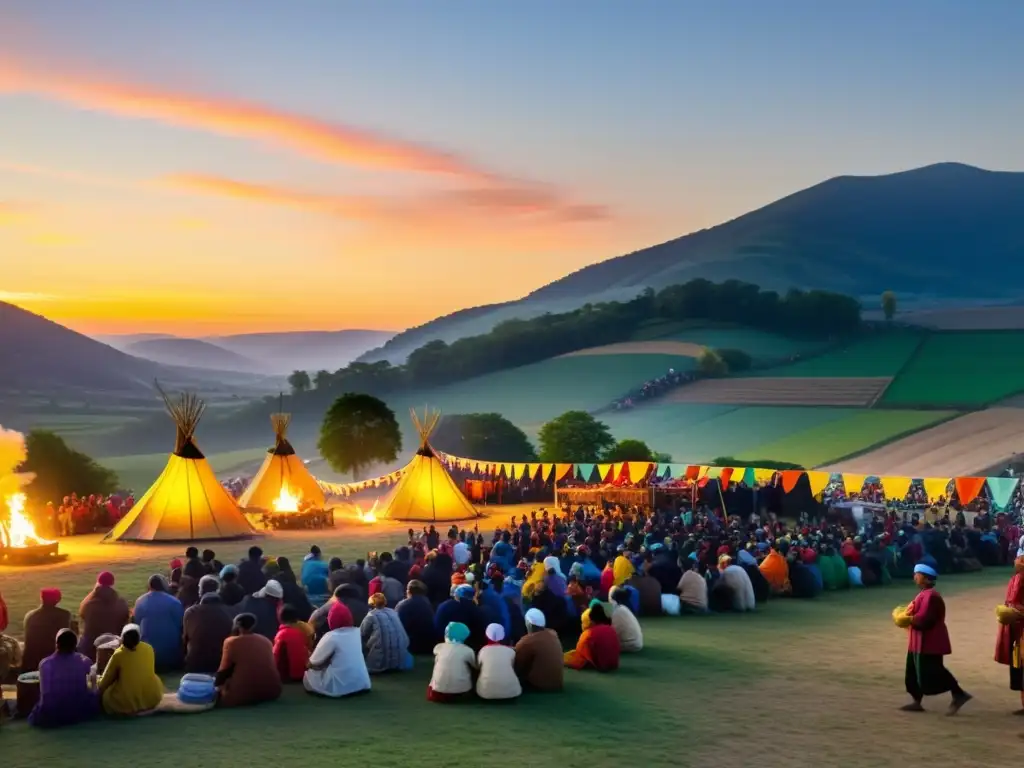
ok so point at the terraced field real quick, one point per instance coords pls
(874, 356)
(963, 446)
(833, 440)
(960, 370)
(760, 345)
(797, 390)
(699, 433)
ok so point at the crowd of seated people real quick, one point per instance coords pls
(493, 615)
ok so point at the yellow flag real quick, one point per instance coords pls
(854, 483)
(935, 487)
(763, 476)
(818, 481)
(561, 470)
(545, 472)
(602, 470)
(895, 487)
(521, 470)
(704, 470)
(737, 474)
(713, 472)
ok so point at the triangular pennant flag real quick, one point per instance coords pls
(724, 476)
(663, 471)
(895, 488)
(616, 471)
(603, 470)
(1002, 489)
(562, 471)
(819, 481)
(585, 472)
(763, 476)
(790, 477)
(853, 482)
(638, 470)
(704, 472)
(545, 472)
(521, 470)
(692, 472)
(738, 474)
(968, 488)
(712, 472)
(934, 487)
(750, 476)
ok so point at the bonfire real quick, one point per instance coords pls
(369, 516)
(17, 531)
(286, 501)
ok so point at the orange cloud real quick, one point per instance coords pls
(314, 138)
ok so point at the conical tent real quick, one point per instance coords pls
(281, 469)
(187, 502)
(426, 492)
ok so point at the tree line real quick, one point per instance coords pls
(513, 343)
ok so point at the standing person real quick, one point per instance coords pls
(1008, 641)
(926, 673)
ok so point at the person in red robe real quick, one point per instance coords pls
(598, 647)
(291, 647)
(928, 644)
(1008, 641)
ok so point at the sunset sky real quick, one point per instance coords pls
(245, 165)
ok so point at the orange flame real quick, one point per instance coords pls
(18, 531)
(286, 501)
(370, 516)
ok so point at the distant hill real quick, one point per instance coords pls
(192, 353)
(302, 350)
(938, 234)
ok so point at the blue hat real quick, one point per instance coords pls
(464, 591)
(927, 570)
(227, 569)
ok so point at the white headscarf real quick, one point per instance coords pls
(552, 563)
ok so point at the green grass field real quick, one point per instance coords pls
(697, 433)
(967, 370)
(760, 345)
(834, 440)
(880, 355)
(139, 471)
(821, 678)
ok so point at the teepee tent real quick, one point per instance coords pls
(281, 470)
(426, 492)
(187, 502)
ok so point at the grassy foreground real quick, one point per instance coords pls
(817, 682)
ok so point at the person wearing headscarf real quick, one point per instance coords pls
(65, 696)
(337, 667)
(1009, 651)
(738, 581)
(631, 637)
(417, 616)
(385, 643)
(102, 612)
(776, 572)
(693, 589)
(554, 579)
(265, 605)
(231, 592)
(598, 646)
(41, 626)
(247, 674)
(454, 664)
(927, 645)
(130, 685)
(649, 590)
(538, 661)
(291, 647)
(461, 608)
(205, 627)
(496, 662)
(161, 616)
(623, 570)
(352, 598)
(314, 575)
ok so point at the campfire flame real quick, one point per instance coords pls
(286, 501)
(18, 532)
(370, 516)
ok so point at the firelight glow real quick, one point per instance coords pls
(17, 531)
(168, 167)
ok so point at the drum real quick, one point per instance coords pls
(28, 693)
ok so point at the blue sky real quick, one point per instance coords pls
(666, 116)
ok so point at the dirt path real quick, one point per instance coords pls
(962, 446)
(680, 348)
(852, 391)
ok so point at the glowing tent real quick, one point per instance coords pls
(426, 492)
(281, 470)
(187, 502)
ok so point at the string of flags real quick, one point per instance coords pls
(348, 489)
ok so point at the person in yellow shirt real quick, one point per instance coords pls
(623, 569)
(130, 685)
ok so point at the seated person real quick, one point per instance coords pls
(130, 685)
(454, 664)
(631, 637)
(205, 628)
(497, 680)
(42, 625)
(65, 695)
(598, 646)
(337, 667)
(539, 655)
(385, 643)
(161, 615)
(736, 578)
(248, 673)
(693, 590)
(291, 647)
(417, 616)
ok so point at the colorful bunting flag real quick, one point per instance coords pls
(895, 488)
(723, 478)
(750, 476)
(738, 474)
(562, 471)
(638, 470)
(968, 488)
(693, 472)
(790, 477)
(819, 481)
(853, 483)
(604, 470)
(934, 487)
(1002, 489)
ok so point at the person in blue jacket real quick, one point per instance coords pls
(160, 616)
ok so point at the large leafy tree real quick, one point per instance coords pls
(299, 382)
(485, 436)
(629, 450)
(357, 431)
(575, 436)
(60, 470)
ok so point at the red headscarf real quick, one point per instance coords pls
(3, 613)
(50, 596)
(105, 579)
(339, 616)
